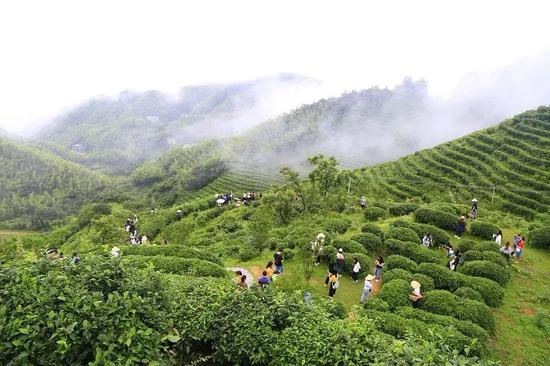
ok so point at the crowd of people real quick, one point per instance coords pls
(223, 199)
(55, 254)
(131, 227)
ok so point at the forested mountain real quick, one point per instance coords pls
(37, 188)
(117, 134)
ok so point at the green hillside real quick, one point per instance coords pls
(505, 166)
(38, 188)
(115, 135)
(172, 300)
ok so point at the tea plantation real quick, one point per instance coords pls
(172, 301)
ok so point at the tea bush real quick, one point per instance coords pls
(439, 236)
(440, 219)
(401, 209)
(413, 251)
(337, 224)
(374, 213)
(396, 293)
(376, 303)
(445, 303)
(465, 245)
(187, 266)
(371, 242)
(468, 293)
(402, 234)
(486, 269)
(494, 257)
(397, 273)
(540, 238)
(373, 229)
(349, 246)
(483, 230)
(172, 250)
(487, 246)
(398, 261)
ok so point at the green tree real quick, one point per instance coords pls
(325, 174)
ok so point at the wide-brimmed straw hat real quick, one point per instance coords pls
(463, 217)
(415, 284)
(369, 277)
(340, 250)
(474, 200)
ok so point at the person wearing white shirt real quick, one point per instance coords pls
(355, 271)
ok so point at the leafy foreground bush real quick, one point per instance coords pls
(483, 230)
(468, 293)
(445, 279)
(100, 313)
(540, 238)
(396, 293)
(183, 266)
(371, 242)
(401, 209)
(445, 303)
(398, 261)
(171, 250)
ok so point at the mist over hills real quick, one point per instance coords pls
(117, 134)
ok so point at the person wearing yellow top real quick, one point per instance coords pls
(333, 283)
(269, 269)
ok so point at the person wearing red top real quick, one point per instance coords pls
(519, 247)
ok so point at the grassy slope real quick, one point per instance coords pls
(8, 234)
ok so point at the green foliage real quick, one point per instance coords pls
(439, 236)
(374, 213)
(373, 229)
(483, 230)
(445, 279)
(337, 224)
(467, 328)
(540, 238)
(413, 251)
(363, 259)
(445, 303)
(402, 234)
(371, 242)
(325, 174)
(426, 282)
(494, 257)
(186, 266)
(170, 250)
(401, 209)
(468, 293)
(396, 293)
(247, 252)
(465, 245)
(349, 246)
(376, 304)
(440, 219)
(398, 261)
(486, 269)
(487, 246)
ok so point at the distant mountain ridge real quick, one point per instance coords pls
(117, 134)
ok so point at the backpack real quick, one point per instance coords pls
(336, 284)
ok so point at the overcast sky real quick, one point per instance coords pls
(55, 54)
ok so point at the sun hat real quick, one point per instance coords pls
(115, 249)
(320, 235)
(463, 217)
(474, 200)
(369, 277)
(340, 250)
(415, 284)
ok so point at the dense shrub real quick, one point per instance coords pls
(472, 255)
(440, 219)
(171, 250)
(483, 230)
(397, 273)
(540, 238)
(486, 269)
(403, 234)
(374, 213)
(396, 293)
(377, 304)
(371, 242)
(494, 257)
(439, 236)
(328, 255)
(401, 209)
(399, 327)
(445, 303)
(187, 266)
(468, 293)
(337, 224)
(398, 261)
(373, 229)
(487, 246)
(465, 327)
(349, 246)
(413, 251)
(247, 252)
(445, 279)
(465, 245)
